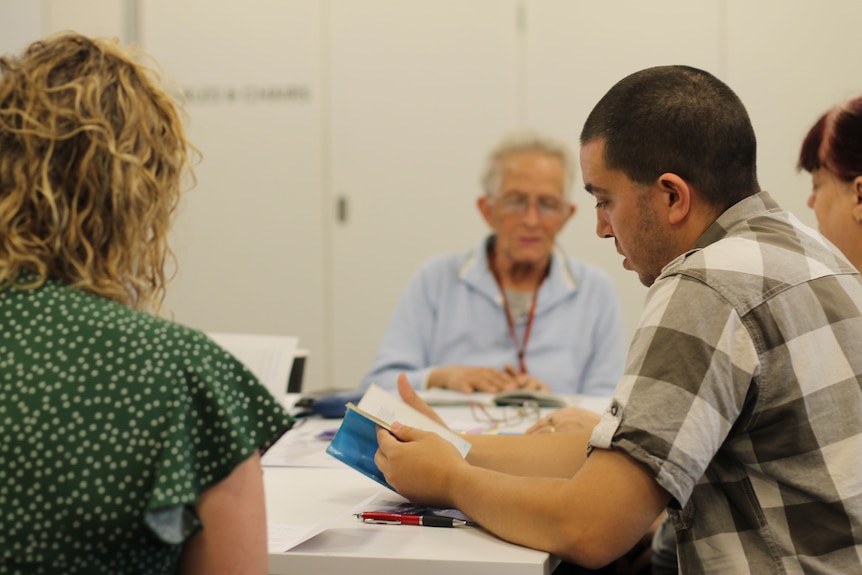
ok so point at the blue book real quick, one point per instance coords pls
(355, 442)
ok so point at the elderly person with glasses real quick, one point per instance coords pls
(514, 311)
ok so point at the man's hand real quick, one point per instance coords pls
(566, 419)
(411, 398)
(418, 464)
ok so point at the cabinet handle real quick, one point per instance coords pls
(341, 209)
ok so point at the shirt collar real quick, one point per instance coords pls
(559, 283)
(739, 212)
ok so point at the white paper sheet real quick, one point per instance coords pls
(282, 538)
(269, 357)
(304, 445)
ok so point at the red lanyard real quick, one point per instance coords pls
(520, 346)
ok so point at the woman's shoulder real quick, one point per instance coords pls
(106, 319)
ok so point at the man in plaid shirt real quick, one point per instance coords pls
(740, 410)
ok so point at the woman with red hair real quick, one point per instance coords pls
(832, 154)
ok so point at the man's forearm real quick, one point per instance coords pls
(546, 455)
(591, 519)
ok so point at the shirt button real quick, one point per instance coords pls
(615, 407)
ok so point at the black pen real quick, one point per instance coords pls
(424, 520)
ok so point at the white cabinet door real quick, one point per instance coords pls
(575, 51)
(790, 62)
(249, 236)
(420, 90)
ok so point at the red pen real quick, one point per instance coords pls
(425, 520)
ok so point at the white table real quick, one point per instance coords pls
(305, 496)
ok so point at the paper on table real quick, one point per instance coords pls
(438, 396)
(388, 502)
(268, 357)
(283, 538)
(302, 446)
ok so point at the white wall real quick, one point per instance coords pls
(402, 100)
(251, 234)
(20, 24)
(418, 92)
(575, 51)
(102, 18)
(789, 62)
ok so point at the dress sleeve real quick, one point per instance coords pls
(216, 418)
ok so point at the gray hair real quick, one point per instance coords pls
(526, 141)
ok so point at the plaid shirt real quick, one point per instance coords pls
(742, 396)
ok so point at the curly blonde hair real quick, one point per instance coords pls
(92, 158)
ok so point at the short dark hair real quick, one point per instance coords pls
(682, 120)
(834, 142)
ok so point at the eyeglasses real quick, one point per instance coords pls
(506, 415)
(548, 207)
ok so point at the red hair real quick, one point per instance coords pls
(834, 142)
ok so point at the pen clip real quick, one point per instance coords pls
(381, 522)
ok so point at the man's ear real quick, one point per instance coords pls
(857, 199)
(484, 205)
(676, 197)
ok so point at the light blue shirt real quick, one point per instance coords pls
(452, 314)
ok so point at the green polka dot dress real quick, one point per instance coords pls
(112, 423)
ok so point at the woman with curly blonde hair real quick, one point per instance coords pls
(90, 172)
(131, 444)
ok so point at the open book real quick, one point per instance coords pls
(355, 443)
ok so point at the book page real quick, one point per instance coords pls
(385, 406)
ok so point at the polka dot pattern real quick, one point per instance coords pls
(109, 418)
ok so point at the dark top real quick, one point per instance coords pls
(113, 422)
